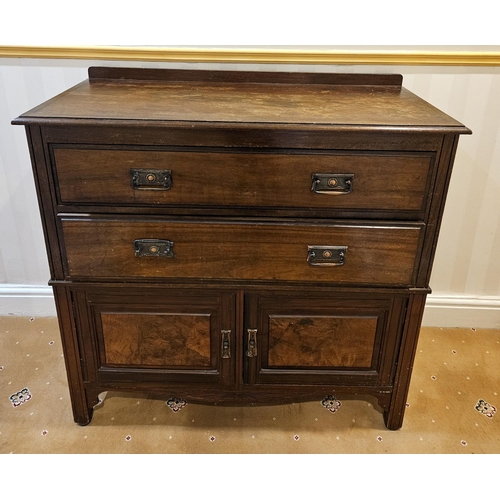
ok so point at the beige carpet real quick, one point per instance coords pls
(455, 370)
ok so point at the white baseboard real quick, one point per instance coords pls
(462, 311)
(26, 300)
(441, 310)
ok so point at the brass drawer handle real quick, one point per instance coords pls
(154, 248)
(332, 183)
(251, 343)
(326, 255)
(226, 343)
(152, 180)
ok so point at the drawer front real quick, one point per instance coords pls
(320, 252)
(322, 181)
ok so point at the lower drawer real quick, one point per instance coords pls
(286, 251)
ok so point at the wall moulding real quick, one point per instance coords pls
(257, 55)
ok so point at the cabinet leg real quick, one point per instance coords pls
(394, 413)
(83, 415)
(82, 404)
(393, 421)
(84, 418)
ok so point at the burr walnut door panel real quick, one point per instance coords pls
(327, 338)
(154, 335)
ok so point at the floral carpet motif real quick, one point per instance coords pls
(176, 404)
(485, 408)
(20, 397)
(331, 403)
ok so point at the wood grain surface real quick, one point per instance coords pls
(259, 179)
(157, 339)
(238, 101)
(321, 341)
(259, 251)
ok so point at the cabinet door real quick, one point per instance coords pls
(157, 335)
(310, 338)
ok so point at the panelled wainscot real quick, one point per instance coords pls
(240, 237)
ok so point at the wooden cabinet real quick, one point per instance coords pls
(240, 237)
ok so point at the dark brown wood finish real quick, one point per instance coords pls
(81, 402)
(380, 255)
(241, 216)
(330, 338)
(433, 222)
(46, 201)
(197, 76)
(157, 335)
(380, 182)
(127, 133)
(243, 102)
(395, 412)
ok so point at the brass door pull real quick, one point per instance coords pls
(226, 344)
(251, 343)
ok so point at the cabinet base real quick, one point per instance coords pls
(273, 396)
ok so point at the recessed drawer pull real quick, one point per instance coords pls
(326, 255)
(146, 179)
(154, 248)
(332, 183)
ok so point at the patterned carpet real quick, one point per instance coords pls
(451, 407)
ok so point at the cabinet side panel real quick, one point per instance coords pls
(45, 200)
(439, 191)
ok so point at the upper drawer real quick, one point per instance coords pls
(359, 181)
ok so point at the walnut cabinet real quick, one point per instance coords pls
(240, 237)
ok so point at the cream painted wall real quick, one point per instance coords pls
(466, 274)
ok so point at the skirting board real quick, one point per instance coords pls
(441, 310)
(26, 300)
(462, 311)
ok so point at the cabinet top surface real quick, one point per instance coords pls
(242, 98)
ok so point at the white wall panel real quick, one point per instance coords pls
(466, 263)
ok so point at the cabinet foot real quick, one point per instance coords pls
(83, 414)
(393, 423)
(84, 420)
